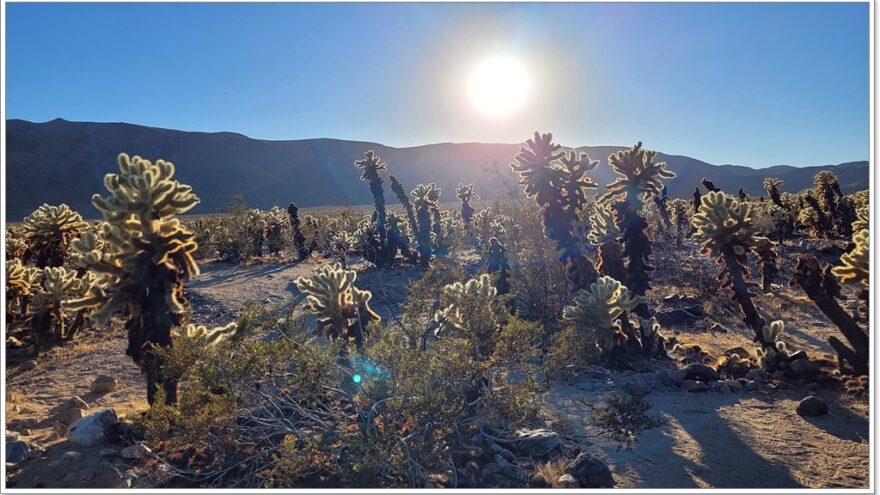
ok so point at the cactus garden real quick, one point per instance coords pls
(342, 247)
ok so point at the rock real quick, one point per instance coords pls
(536, 443)
(724, 388)
(778, 375)
(734, 385)
(60, 428)
(104, 384)
(750, 386)
(692, 386)
(757, 374)
(12, 436)
(28, 365)
(69, 416)
(14, 343)
(506, 454)
(802, 368)
(110, 452)
(812, 406)
(511, 470)
(538, 481)
(701, 372)
(718, 328)
(77, 403)
(129, 478)
(638, 387)
(590, 472)
(676, 317)
(17, 451)
(141, 451)
(739, 351)
(672, 377)
(27, 432)
(567, 481)
(798, 355)
(89, 430)
(71, 455)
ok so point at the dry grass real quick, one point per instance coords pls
(552, 470)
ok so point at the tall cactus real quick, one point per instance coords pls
(771, 184)
(342, 311)
(48, 232)
(424, 201)
(148, 256)
(727, 234)
(400, 192)
(575, 182)
(299, 240)
(542, 179)
(639, 180)
(381, 252)
(465, 193)
(497, 262)
(768, 261)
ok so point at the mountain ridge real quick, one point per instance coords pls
(64, 161)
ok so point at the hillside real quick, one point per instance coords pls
(62, 161)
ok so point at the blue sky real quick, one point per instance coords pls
(750, 84)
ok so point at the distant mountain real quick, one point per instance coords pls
(65, 162)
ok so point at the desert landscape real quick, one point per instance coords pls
(205, 310)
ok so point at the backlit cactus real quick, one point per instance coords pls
(542, 179)
(855, 267)
(768, 261)
(20, 282)
(771, 184)
(468, 307)
(47, 308)
(379, 251)
(299, 240)
(342, 311)
(727, 234)
(147, 257)
(48, 232)
(498, 263)
(776, 351)
(575, 183)
(600, 309)
(639, 181)
(16, 245)
(424, 200)
(605, 233)
(465, 193)
(209, 336)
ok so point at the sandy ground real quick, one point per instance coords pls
(741, 440)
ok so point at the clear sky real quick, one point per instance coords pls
(750, 84)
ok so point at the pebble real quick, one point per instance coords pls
(104, 384)
(28, 365)
(71, 455)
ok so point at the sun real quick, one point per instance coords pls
(498, 86)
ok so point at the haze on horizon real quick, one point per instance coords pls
(749, 84)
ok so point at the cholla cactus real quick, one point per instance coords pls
(855, 268)
(639, 180)
(371, 165)
(575, 182)
(209, 337)
(47, 308)
(542, 179)
(681, 211)
(497, 262)
(470, 308)
(16, 245)
(256, 231)
(147, 257)
(424, 200)
(299, 240)
(605, 233)
(20, 281)
(862, 221)
(87, 250)
(342, 311)
(600, 309)
(727, 234)
(277, 230)
(775, 351)
(48, 232)
(822, 289)
(768, 261)
(771, 184)
(465, 193)
(399, 191)
(653, 340)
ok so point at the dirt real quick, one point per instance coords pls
(738, 440)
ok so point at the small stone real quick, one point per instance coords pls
(675, 317)
(734, 385)
(701, 372)
(17, 451)
(507, 455)
(672, 377)
(109, 452)
(28, 365)
(801, 354)
(750, 386)
(89, 430)
(104, 384)
(718, 328)
(140, 451)
(812, 406)
(757, 374)
(778, 375)
(567, 481)
(70, 416)
(71, 455)
(60, 428)
(724, 388)
(536, 443)
(590, 472)
(12, 436)
(27, 432)
(638, 387)
(802, 368)
(77, 403)
(14, 343)
(692, 386)
(129, 478)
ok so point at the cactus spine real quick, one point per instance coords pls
(148, 256)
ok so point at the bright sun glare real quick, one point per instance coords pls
(498, 86)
